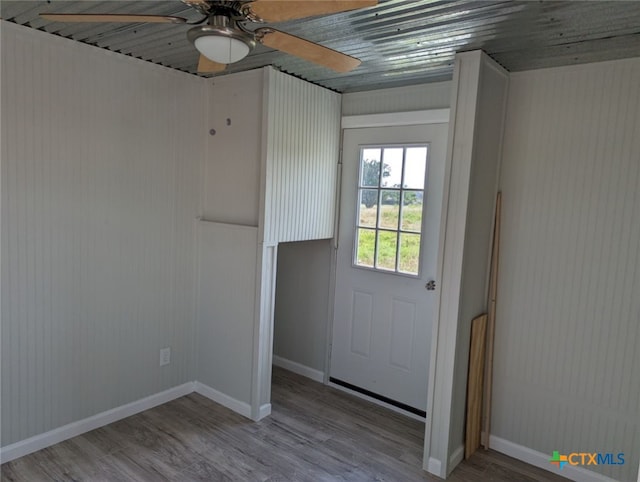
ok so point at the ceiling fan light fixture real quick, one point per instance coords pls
(224, 50)
(221, 41)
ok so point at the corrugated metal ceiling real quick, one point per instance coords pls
(399, 42)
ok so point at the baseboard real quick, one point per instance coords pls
(541, 460)
(455, 458)
(265, 411)
(231, 403)
(434, 467)
(299, 368)
(60, 434)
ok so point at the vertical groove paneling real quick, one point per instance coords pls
(302, 146)
(568, 321)
(100, 163)
(426, 96)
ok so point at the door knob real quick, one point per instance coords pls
(431, 285)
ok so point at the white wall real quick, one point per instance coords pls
(436, 95)
(100, 160)
(302, 302)
(231, 181)
(568, 321)
(228, 268)
(226, 297)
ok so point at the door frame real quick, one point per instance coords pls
(392, 119)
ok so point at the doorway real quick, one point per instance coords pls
(385, 291)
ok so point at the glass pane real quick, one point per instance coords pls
(368, 208)
(409, 253)
(415, 166)
(412, 211)
(387, 249)
(370, 168)
(366, 247)
(392, 167)
(389, 209)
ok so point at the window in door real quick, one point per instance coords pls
(391, 196)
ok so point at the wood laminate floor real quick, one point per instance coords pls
(315, 433)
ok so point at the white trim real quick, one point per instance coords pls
(541, 460)
(60, 434)
(332, 284)
(440, 383)
(456, 457)
(431, 116)
(334, 263)
(231, 403)
(299, 368)
(264, 306)
(265, 411)
(210, 223)
(375, 401)
(434, 467)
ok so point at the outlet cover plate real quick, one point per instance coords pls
(165, 356)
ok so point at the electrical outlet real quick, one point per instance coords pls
(165, 356)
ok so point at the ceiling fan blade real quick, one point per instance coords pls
(282, 10)
(307, 50)
(207, 66)
(99, 17)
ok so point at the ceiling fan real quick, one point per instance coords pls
(222, 36)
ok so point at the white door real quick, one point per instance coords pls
(391, 198)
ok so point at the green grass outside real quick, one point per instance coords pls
(411, 218)
(409, 251)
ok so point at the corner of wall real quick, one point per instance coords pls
(467, 214)
(483, 182)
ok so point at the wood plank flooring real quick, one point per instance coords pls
(315, 433)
